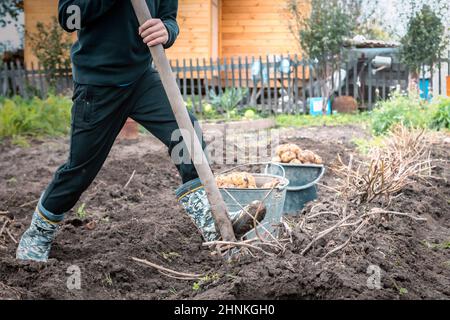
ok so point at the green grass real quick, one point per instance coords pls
(198, 285)
(339, 119)
(440, 246)
(363, 146)
(81, 211)
(21, 119)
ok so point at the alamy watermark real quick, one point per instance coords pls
(74, 279)
(224, 146)
(374, 279)
(73, 21)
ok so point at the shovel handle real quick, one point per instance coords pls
(194, 147)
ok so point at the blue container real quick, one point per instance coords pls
(302, 188)
(424, 87)
(316, 106)
(273, 199)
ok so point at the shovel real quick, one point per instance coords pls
(194, 147)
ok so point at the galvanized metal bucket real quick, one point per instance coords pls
(273, 198)
(303, 179)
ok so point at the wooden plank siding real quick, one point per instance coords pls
(194, 18)
(211, 30)
(256, 27)
(194, 41)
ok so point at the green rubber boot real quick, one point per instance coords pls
(36, 242)
(192, 197)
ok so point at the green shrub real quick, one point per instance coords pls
(21, 118)
(229, 100)
(441, 116)
(410, 110)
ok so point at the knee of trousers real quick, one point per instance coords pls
(72, 182)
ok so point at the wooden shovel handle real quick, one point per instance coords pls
(218, 207)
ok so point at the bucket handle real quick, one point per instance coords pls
(256, 164)
(309, 185)
(266, 170)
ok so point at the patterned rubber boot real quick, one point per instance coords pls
(36, 242)
(192, 197)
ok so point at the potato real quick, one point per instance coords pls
(286, 148)
(242, 180)
(223, 182)
(271, 184)
(318, 160)
(307, 156)
(291, 153)
(288, 156)
(276, 159)
(245, 180)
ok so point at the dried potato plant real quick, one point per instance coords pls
(389, 168)
(365, 189)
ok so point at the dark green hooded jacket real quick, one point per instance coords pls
(109, 50)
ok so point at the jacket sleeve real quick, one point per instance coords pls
(90, 10)
(168, 14)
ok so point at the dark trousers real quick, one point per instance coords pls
(98, 115)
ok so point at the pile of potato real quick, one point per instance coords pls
(242, 180)
(292, 153)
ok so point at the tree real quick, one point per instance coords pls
(51, 45)
(364, 18)
(321, 36)
(10, 11)
(424, 41)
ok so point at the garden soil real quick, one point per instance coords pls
(141, 218)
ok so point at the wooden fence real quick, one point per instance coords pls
(275, 84)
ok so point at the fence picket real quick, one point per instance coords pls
(247, 80)
(241, 102)
(262, 90)
(192, 86)
(311, 88)
(42, 81)
(355, 79)
(304, 86)
(177, 73)
(206, 80)
(219, 76)
(199, 85)
(184, 80)
(5, 80)
(233, 83)
(275, 80)
(440, 77)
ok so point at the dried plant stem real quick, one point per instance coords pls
(230, 245)
(26, 204)
(324, 233)
(129, 180)
(3, 227)
(355, 232)
(11, 236)
(166, 271)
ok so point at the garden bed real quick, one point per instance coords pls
(143, 220)
(236, 126)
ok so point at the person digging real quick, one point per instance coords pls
(114, 80)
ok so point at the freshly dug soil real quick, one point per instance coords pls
(143, 220)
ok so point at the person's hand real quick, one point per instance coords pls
(154, 32)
